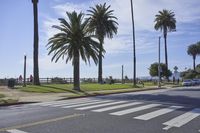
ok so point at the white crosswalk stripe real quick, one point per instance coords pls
(84, 104)
(62, 102)
(132, 110)
(157, 113)
(182, 119)
(15, 131)
(116, 107)
(72, 103)
(100, 105)
(46, 103)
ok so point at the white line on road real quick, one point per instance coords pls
(63, 102)
(72, 103)
(157, 113)
(100, 105)
(132, 110)
(116, 107)
(15, 131)
(182, 119)
(84, 104)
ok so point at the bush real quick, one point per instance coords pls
(11, 83)
(190, 74)
(153, 70)
(2, 96)
(57, 80)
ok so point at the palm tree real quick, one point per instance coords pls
(74, 41)
(165, 21)
(103, 24)
(198, 45)
(35, 47)
(193, 51)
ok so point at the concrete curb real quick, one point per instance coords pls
(93, 95)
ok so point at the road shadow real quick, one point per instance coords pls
(66, 90)
(169, 99)
(189, 90)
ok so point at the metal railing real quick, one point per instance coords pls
(57, 80)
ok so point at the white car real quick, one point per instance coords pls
(196, 81)
(187, 82)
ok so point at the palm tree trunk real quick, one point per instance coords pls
(166, 58)
(76, 72)
(134, 52)
(194, 62)
(35, 47)
(100, 79)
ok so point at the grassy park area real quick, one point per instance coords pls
(36, 93)
(87, 89)
(60, 88)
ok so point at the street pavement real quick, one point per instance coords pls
(158, 111)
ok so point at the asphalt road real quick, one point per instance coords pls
(160, 111)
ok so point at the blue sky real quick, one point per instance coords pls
(16, 36)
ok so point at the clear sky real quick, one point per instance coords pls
(16, 36)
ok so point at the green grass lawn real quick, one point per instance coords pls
(2, 96)
(58, 88)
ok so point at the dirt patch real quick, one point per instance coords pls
(29, 97)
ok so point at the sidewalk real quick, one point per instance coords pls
(31, 97)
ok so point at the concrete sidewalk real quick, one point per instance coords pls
(31, 97)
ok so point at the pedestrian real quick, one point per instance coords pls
(20, 79)
(31, 78)
(173, 79)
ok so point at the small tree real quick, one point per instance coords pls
(175, 68)
(189, 74)
(193, 50)
(153, 70)
(197, 68)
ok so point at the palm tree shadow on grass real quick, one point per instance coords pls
(58, 88)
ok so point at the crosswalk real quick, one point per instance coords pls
(157, 113)
(126, 108)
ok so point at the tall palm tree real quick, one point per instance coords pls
(103, 24)
(74, 41)
(165, 21)
(35, 47)
(193, 51)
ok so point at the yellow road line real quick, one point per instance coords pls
(41, 122)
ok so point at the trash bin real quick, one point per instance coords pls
(11, 83)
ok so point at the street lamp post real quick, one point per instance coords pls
(24, 70)
(159, 85)
(134, 54)
(122, 74)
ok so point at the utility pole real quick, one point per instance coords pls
(159, 85)
(134, 52)
(122, 74)
(24, 85)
